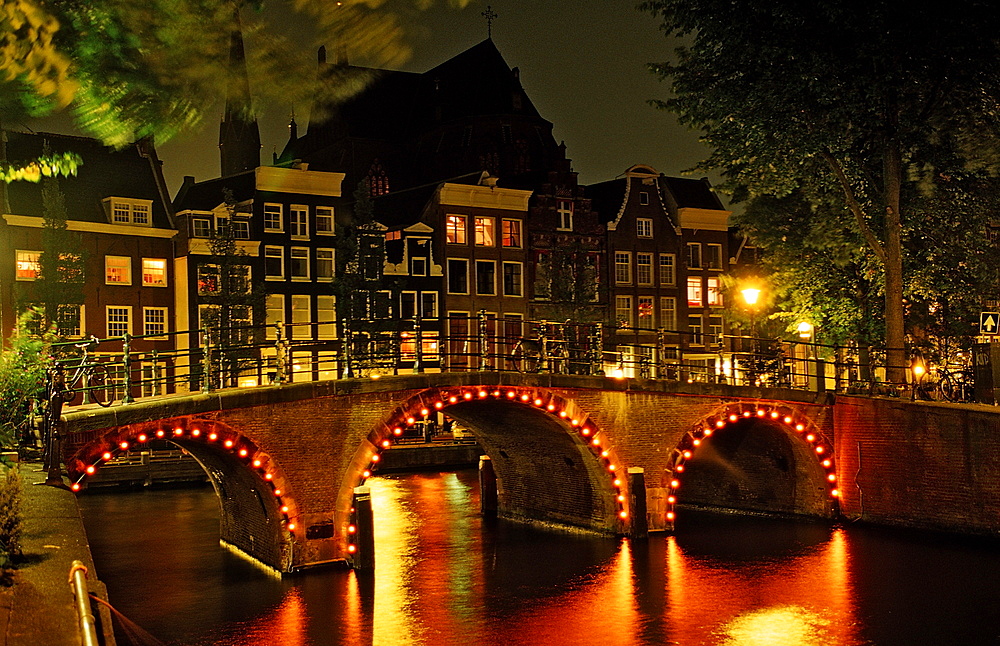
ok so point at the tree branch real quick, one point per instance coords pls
(852, 203)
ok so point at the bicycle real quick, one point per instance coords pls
(526, 355)
(954, 385)
(97, 386)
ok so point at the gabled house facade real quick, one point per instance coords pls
(120, 221)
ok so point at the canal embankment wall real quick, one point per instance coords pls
(38, 606)
(919, 464)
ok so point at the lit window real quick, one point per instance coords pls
(668, 264)
(208, 279)
(119, 321)
(644, 227)
(326, 316)
(644, 268)
(299, 265)
(324, 264)
(272, 217)
(645, 313)
(512, 284)
(484, 232)
(668, 313)
(486, 280)
(298, 218)
(117, 270)
(714, 292)
(301, 321)
(623, 311)
(154, 321)
(565, 212)
(623, 267)
(695, 297)
(694, 255)
(274, 312)
(324, 220)
(393, 235)
(512, 233)
(154, 272)
(274, 263)
(455, 229)
(130, 211)
(27, 264)
(713, 256)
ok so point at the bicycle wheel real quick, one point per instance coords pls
(100, 386)
(948, 389)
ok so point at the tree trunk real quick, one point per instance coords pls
(895, 352)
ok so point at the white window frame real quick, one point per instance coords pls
(146, 323)
(127, 267)
(326, 316)
(298, 222)
(484, 231)
(428, 312)
(324, 217)
(493, 264)
(669, 266)
(623, 304)
(565, 215)
(409, 303)
(204, 220)
(146, 283)
(274, 312)
(117, 310)
(643, 277)
(455, 234)
(623, 259)
(130, 211)
(31, 261)
(717, 248)
(713, 291)
(695, 292)
(668, 313)
(643, 227)
(465, 262)
(696, 327)
(520, 278)
(269, 215)
(81, 320)
(301, 317)
(325, 257)
(694, 255)
(644, 198)
(647, 322)
(292, 257)
(517, 231)
(280, 255)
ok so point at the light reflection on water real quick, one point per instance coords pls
(444, 576)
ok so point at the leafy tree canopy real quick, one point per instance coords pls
(130, 69)
(868, 113)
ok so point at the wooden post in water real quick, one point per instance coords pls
(487, 487)
(364, 556)
(637, 493)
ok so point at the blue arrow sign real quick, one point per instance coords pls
(989, 322)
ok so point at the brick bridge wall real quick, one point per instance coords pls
(561, 446)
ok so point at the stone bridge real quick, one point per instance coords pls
(605, 455)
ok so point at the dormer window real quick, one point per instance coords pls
(130, 211)
(565, 211)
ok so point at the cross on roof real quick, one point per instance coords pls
(490, 15)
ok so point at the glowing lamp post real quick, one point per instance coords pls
(750, 297)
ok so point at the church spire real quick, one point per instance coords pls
(239, 136)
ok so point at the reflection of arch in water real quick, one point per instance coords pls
(806, 437)
(609, 491)
(258, 513)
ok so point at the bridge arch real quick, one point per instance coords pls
(258, 510)
(807, 443)
(539, 429)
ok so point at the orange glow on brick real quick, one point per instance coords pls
(124, 446)
(718, 424)
(696, 442)
(510, 394)
(256, 463)
(229, 444)
(386, 444)
(178, 431)
(453, 399)
(467, 395)
(142, 437)
(674, 484)
(424, 412)
(671, 499)
(376, 457)
(525, 398)
(107, 455)
(835, 493)
(760, 412)
(244, 453)
(352, 548)
(679, 468)
(277, 492)
(366, 473)
(351, 529)
(820, 449)
(596, 441)
(623, 513)
(617, 482)
(686, 454)
(410, 420)
(397, 431)
(284, 509)
(788, 420)
(213, 437)
(269, 476)
(538, 402)
(551, 407)
(160, 433)
(482, 393)
(438, 405)
(810, 438)
(291, 527)
(733, 418)
(832, 477)
(196, 432)
(827, 463)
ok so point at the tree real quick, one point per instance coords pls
(567, 275)
(128, 70)
(59, 285)
(815, 97)
(22, 377)
(231, 304)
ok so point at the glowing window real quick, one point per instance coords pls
(695, 296)
(117, 270)
(154, 272)
(484, 232)
(512, 233)
(455, 229)
(27, 264)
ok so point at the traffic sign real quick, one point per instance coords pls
(989, 322)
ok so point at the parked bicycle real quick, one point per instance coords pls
(955, 385)
(80, 375)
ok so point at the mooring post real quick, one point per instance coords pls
(364, 555)
(487, 487)
(637, 502)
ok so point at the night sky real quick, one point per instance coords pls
(582, 63)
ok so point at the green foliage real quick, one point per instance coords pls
(11, 520)
(49, 165)
(22, 377)
(569, 272)
(61, 263)
(132, 69)
(858, 115)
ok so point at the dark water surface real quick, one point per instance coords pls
(443, 576)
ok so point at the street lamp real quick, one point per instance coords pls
(750, 297)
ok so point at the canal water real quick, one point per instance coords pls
(444, 576)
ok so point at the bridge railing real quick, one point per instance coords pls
(226, 356)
